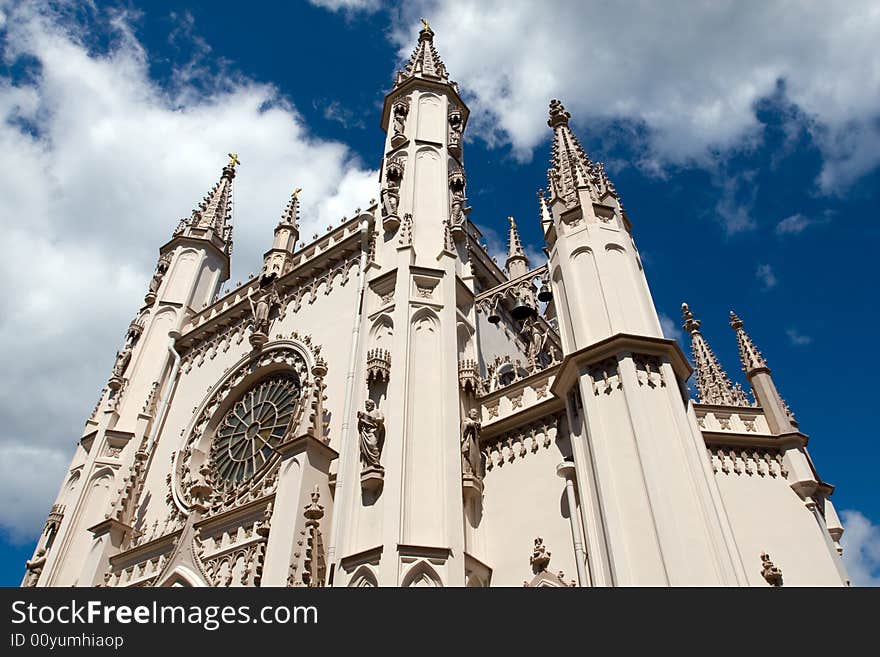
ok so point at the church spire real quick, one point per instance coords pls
(778, 414)
(749, 354)
(212, 218)
(276, 261)
(517, 261)
(425, 61)
(712, 383)
(570, 167)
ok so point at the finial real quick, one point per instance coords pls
(510, 219)
(296, 192)
(735, 321)
(691, 325)
(425, 24)
(233, 160)
(558, 115)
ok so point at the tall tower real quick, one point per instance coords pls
(653, 507)
(111, 454)
(405, 516)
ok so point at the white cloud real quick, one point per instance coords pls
(797, 338)
(691, 73)
(793, 225)
(861, 548)
(670, 328)
(101, 163)
(765, 274)
(348, 5)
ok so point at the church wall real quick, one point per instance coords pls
(522, 500)
(768, 516)
(327, 320)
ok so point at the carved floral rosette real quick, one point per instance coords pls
(190, 472)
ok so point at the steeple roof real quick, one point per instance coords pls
(425, 61)
(514, 244)
(212, 218)
(749, 354)
(713, 385)
(570, 166)
(291, 210)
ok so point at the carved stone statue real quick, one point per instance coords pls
(161, 270)
(371, 427)
(390, 200)
(540, 558)
(770, 571)
(265, 301)
(457, 209)
(470, 443)
(35, 567)
(398, 123)
(122, 360)
(536, 339)
(454, 141)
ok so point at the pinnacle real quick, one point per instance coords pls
(291, 210)
(425, 60)
(691, 325)
(713, 385)
(558, 115)
(735, 321)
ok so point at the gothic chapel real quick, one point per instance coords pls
(386, 406)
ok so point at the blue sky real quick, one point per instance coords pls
(747, 164)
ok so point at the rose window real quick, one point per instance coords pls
(246, 438)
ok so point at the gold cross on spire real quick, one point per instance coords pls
(233, 159)
(425, 23)
(296, 192)
(510, 219)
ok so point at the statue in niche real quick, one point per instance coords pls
(371, 428)
(266, 300)
(398, 123)
(390, 193)
(470, 444)
(536, 339)
(455, 128)
(457, 210)
(156, 281)
(35, 567)
(390, 200)
(123, 358)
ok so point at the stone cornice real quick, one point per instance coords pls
(722, 408)
(427, 551)
(730, 439)
(358, 558)
(307, 444)
(218, 519)
(145, 550)
(535, 413)
(611, 346)
(107, 526)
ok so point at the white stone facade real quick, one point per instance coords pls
(385, 406)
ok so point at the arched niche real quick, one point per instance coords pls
(364, 578)
(422, 575)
